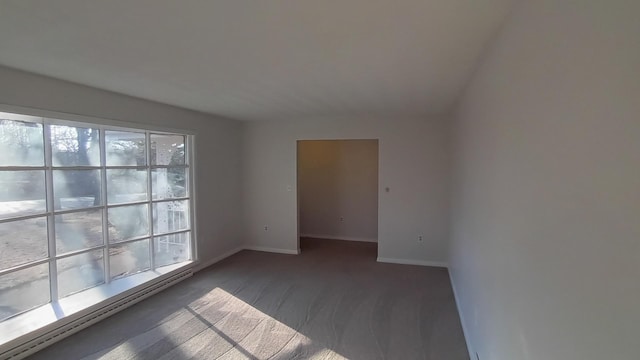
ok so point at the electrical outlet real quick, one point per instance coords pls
(266, 228)
(341, 219)
(420, 238)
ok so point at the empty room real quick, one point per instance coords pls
(356, 179)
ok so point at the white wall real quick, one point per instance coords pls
(338, 189)
(218, 145)
(413, 163)
(545, 255)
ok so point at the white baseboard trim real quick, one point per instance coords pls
(272, 250)
(413, 262)
(332, 237)
(205, 264)
(465, 331)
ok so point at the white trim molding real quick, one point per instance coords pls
(465, 331)
(272, 250)
(413, 262)
(205, 264)
(344, 238)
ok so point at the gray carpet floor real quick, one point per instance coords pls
(333, 301)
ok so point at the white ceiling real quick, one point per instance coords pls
(258, 59)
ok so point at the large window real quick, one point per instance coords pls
(83, 205)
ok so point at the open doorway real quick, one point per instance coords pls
(338, 194)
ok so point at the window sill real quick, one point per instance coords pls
(44, 318)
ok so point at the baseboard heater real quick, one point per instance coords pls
(52, 336)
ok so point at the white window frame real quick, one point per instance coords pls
(47, 118)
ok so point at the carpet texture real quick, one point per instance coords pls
(334, 301)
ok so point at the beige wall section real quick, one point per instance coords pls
(338, 189)
(546, 232)
(217, 145)
(413, 163)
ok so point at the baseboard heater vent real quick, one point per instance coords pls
(32, 346)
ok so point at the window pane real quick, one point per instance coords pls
(169, 216)
(168, 183)
(171, 249)
(125, 148)
(21, 143)
(23, 290)
(23, 241)
(76, 189)
(128, 259)
(128, 222)
(167, 150)
(22, 193)
(80, 272)
(126, 185)
(74, 146)
(78, 230)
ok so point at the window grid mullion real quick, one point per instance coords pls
(134, 203)
(152, 260)
(181, 231)
(24, 266)
(183, 166)
(171, 199)
(79, 252)
(77, 210)
(126, 167)
(105, 216)
(25, 217)
(132, 240)
(50, 203)
(190, 185)
(21, 168)
(76, 167)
